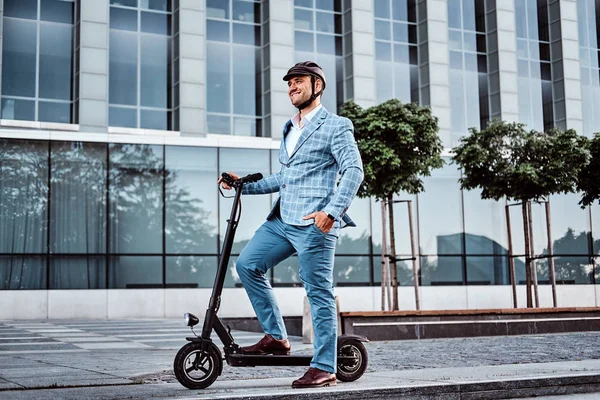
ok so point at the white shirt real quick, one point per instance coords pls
(291, 140)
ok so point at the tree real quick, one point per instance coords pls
(505, 160)
(587, 183)
(399, 144)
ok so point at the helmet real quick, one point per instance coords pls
(307, 68)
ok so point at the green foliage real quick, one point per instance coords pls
(588, 178)
(505, 160)
(398, 144)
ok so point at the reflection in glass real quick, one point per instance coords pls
(191, 200)
(135, 188)
(123, 68)
(570, 225)
(78, 197)
(244, 80)
(23, 202)
(218, 84)
(54, 112)
(77, 273)
(155, 23)
(122, 19)
(441, 271)
(154, 119)
(286, 273)
(440, 223)
(351, 271)
(488, 271)
(217, 9)
(355, 240)
(131, 272)
(485, 225)
(403, 269)
(23, 110)
(18, 58)
(567, 270)
(218, 124)
(121, 116)
(57, 11)
(192, 271)
(154, 71)
(55, 61)
(255, 208)
(25, 273)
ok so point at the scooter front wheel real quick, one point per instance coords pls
(351, 371)
(196, 368)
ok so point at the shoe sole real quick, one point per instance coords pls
(326, 384)
(262, 353)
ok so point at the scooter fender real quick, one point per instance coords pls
(343, 339)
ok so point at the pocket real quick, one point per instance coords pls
(315, 227)
(313, 192)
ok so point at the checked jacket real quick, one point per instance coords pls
(307, 181)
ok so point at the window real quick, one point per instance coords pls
(589, 56)
(318, 38)
(140, 72)
(37, 60)
(534, 67)
(396, 56)
(234, 67)
(468, 66)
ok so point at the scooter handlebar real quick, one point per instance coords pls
(228, 179)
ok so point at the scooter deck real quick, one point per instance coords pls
(246, 360)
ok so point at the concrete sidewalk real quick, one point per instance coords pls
(133, 359)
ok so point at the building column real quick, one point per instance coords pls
(1, 19)
(192, 67)
(281, 33)
(502, 60)
(566, 68)
(434, 31)
(363, 53)
(92, 106)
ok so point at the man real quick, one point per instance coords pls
(316, 146)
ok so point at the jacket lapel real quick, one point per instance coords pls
(310, 128)
(283, 154)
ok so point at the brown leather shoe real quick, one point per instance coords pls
(313, 378)
(269, 345)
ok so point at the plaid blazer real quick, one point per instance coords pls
(307, 180)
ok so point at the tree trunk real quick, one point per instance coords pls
(527, 258)
(394, 269)
(511, 260)
(550, 255)
(384, 260)
(414, 256)
(532, 250)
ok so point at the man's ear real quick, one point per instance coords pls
(318, 85)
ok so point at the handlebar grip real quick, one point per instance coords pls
(252, 177)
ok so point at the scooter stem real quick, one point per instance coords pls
(215, 300)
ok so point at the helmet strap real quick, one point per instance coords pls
(313, 96)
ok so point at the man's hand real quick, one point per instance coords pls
(322, 221)
(225, 185)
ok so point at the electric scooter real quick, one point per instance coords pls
(200, 362)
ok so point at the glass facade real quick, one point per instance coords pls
(234, 67)
(97, 215)
(37, 60)
(588, 12)
(469, 92)
(396, 55)
(534, 64)
(140, 64)
(318, 37)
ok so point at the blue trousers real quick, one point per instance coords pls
(272, 243)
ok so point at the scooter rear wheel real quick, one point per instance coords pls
(195, 368)
(351, 372)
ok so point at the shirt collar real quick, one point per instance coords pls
(306, 119)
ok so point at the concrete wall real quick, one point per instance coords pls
(172, 303)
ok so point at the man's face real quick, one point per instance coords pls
(300, 89)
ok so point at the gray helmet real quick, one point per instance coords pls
(307, 68)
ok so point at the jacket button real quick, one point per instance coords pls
(283, 186)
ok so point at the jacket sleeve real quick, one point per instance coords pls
(270, 184)
(346, 154)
